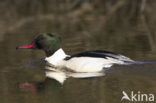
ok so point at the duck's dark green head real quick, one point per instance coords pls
(47, 42)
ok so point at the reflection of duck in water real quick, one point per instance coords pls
(47, 85)
(88, 64)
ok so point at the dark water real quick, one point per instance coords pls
(19, 84)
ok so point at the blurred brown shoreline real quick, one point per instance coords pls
(116, 20)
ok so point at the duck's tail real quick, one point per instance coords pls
(142, 62)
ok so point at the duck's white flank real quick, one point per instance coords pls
(89, 64)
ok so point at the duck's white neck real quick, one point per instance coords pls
(56, 57)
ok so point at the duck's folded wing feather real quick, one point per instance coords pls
(101, 54)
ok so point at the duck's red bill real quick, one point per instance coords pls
(30, 46)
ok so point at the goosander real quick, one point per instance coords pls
(91, 63)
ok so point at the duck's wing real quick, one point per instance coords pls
(101, 54)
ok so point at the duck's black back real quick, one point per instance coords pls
(100, 54)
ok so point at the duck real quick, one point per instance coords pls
(87, 64)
